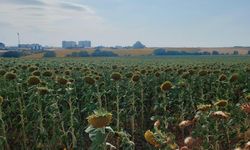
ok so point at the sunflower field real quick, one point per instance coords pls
(136, 103)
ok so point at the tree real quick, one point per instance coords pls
(248, 52)
(159, 52)
(13, 54)
(99, 53)
(49, 54)
(215, 53)
(138, 45)
(79, 54)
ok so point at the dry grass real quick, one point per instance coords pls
(145, 51)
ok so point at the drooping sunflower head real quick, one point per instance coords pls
(67, 72)
(116, 76)
(89, 80)
(247, 97)
(203, 73)
(33, 80)
(36, 73)
(150, 138)
(245, 107)
(135, 77)
(166, 86)
(1, 100)
(222, 77)
(10, 76)
(189, 141)
(62, 80)
(186, 123)
(42, 90)
(2, 72)
(47, 73)
(234, 77)
(221, 103)
(100, 119)
(220, 115)
(204, 107)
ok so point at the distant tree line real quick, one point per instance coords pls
(12, 54)
(96, 53)
(163, 52)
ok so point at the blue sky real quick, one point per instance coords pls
(156, 23)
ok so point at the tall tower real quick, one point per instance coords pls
(18, 39)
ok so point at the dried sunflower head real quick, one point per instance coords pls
(36, 73)
(234, 77)
(100, 119)
(116, 76)
(89, 80)
(222, 77)
(47, 73)
(247, 97)
(1, 100)
(220, 115)
(150, 138)
(135, 77)
(186, 123)
(203, 107)
(221, 103)
(62, 81)
(42, 90)
(10, 76)
(33, 80)
(245, 107)
(166, 86)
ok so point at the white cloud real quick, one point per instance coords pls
(49, 21)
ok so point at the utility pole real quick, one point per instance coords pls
(18, 38)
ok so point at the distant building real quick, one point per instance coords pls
(84, 44)
(37, 47)
(69, 44)
(31, 46)
(2, 46)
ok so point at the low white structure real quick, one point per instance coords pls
(69, 44)
(84, 44)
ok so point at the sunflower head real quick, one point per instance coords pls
(204, 107)
(245, 107)
(32, 68)
(116, 76)
(247, 97)
(89, 80)
(135, 77)
(186, 123)
(221, 103)
(2, 72)
(189, 141)
(166, 86)
(220, 115)
(234, 77)
(203, 73)
(100, 119)
(67, 72)
(36, 73)
(33, 80)
(222, 77)
(62, 81)
(42, 90)
(1, 100)
(10, 76)
(150, 138)
(47, 73)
